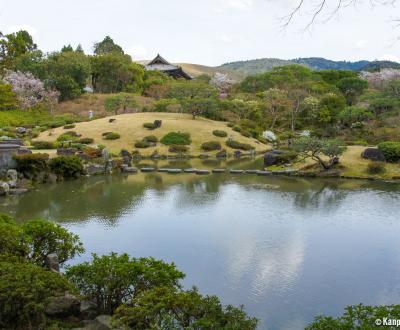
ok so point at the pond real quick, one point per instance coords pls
(287, 248)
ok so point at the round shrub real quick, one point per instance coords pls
(111, 136)
(376, 168)
(68, 136)
(237, 128)
(142, 144)
(176, 138)
(246, 134)
(238, 145)
(69, 126)
(211, 146)
(178, 149)
(149, 126)
(86, 141)
(391, 151)
(220, 133)
(42, 145)
(66, 167)
(151, 138)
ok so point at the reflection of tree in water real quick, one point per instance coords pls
(103, 197)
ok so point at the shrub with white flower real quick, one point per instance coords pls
(269, 136)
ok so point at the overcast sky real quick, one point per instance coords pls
(209, 32)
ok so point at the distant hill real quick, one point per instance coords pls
(240, 69)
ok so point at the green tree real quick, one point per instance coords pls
(8, 99)
(169, 308)
(316, 149)
(351, 115)
(119, 101)
(25, 290)
(352, 88)
(45, 237)
(12, 238)
(201, 106)
(276, 104)
(107, 46)
(116, 279)
(114, 72)
(13, 45)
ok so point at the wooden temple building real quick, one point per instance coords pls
(162, 65)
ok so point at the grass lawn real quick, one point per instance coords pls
(130, 127)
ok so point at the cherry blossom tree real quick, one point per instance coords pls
(30, 91)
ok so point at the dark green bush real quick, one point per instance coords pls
(230, 124)
(238, 145)
(220, 133)
(151, 138)
(31, 164)
(68, 136)
(111, 136)
(54, 124)
(376, 168)
(66, 167)
(176, 138)
(69, 126)
(211, 146)
(237, 128)
(142, 144)
(149, 126)
(391, 151)
(85, 141)
(177, 149)
(42, 145)
(246, 134)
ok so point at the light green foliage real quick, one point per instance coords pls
(316, 148)
(66, 167)
(167, 105)
(119, 101)
(8, 99)
(169, 308)
(352, 115)
(391, 150)
(12, 238)
(176, 138)
(356, 317)
(107, 46)
(116, 279)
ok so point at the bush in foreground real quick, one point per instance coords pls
(391, 151)
(176, 138)
(66, 167)
(169, 308)
(31, 164)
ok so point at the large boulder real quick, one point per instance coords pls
(94, 169)
(373, 154)
(64, 306)
(52, 262)
(101, 322)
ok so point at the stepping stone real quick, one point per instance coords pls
(219, 170)
(251, 171)
(147, 169)
(189, 170)
(264, 173)
(174, 170)
(202, 172)
(236, 171)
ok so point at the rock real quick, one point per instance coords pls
(236, 171)
(127, 169)
(4, 188)
(127, 160)
(373, 154)
(66, 151)
(251, 171)
(12, 176)
(125, 153)
(273, 157)
(190, 170)
(219, 170)
(222, 154)
(264, 173)
(101, 322)
(24, 151)
(147, 169)
(174, 170)
(52, 262)
(64, 306)
(111, 120)
(21, 130)
(95, 169)
(88, 310)
(329, 174)
(237, 154)
(84, 157)
(202, 172)
(155, 155)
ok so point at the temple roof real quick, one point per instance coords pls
(161, 64)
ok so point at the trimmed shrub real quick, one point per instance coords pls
(31, 164)
(111, 136)
(391, 151)
(230, 124)
(376, 168)
(150, 126)
(92, 152)
(54, 124)
(68, 136)
(178, 149)
(211, 146)
(176, 138)
(246, 134)
(237, 128)
(66, 167)
(151, 138)
(238, 145)
(42, 145)
(220, 133)
(85, 141)
(142, 144)
(69, 126)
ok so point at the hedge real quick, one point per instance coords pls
(391, 150)
(176, 138)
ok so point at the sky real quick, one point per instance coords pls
(209, 32)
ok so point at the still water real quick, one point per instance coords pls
(287, 248)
